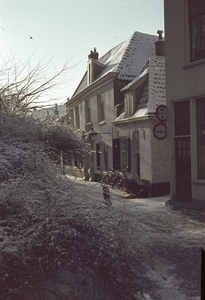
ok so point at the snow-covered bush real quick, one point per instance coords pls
(56, 242)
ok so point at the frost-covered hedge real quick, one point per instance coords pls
(56, 242)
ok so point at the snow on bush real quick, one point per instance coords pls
(55, 241)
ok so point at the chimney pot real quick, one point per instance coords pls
(160, 45)
(94, 54)
(160, 34)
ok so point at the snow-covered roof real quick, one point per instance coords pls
(126, 59)
(154, 93)
(157, 84)
(145, 72)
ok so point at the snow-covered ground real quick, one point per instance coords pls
(167, 242)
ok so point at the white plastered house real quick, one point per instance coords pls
(99, 98)
(146, 156)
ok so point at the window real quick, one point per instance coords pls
(128, 104)
(124, 153)
(201, 137)
(77, 117)
(87, 111)
(121, 153)
(197, 29)
(101, 112)
(101, 155)
(71, 117)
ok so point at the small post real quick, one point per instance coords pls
(106, 195)
(61, 161)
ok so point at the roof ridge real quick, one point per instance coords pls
(126, 51)
(146, 65)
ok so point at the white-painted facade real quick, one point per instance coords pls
(108, 76)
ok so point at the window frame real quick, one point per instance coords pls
(125, 153)
(101, 156)
(87, 111)
(77, 117)
(101, 107)
(194, 17)
(118, 163)
(128, 98)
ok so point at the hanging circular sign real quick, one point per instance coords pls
(160, 131)
(161, 113)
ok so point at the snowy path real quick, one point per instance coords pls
(166, 241)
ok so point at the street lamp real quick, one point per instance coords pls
(92, 134)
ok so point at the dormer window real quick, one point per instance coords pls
(128, 98)
(133, 92)
(94, 66)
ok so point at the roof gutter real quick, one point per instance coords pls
(128, 120)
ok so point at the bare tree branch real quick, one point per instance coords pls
(23, 86)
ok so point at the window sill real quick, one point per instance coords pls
(199, 182)
(101, 123)
(194, 63)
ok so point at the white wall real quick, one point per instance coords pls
(105, 126)
(160, 160)
(154, 164)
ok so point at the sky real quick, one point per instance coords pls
(67, 30)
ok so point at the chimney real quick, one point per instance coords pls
(160, 45)
(93, 54)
